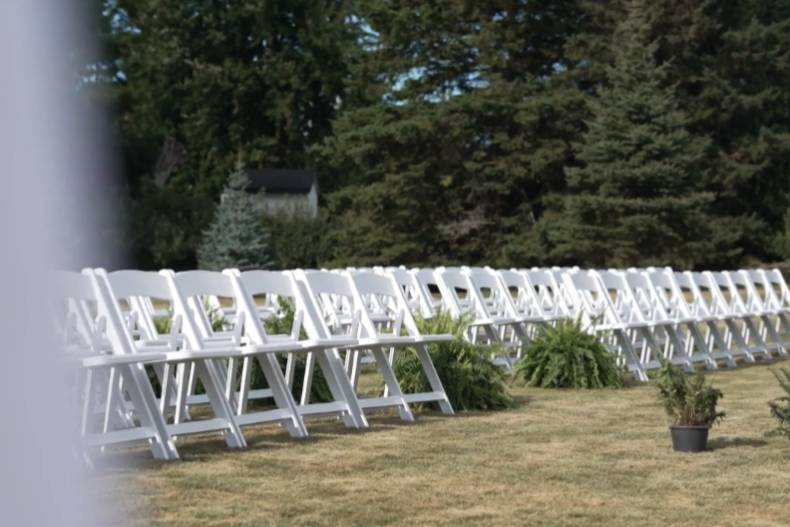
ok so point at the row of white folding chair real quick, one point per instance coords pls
(726, 329)
(491, 320)
(205, 362)
(658, 292)
(196, 286)
(689, 333)
(774, 299)
(383, 322)
(729, 303)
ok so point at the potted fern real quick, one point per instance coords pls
(690, 401)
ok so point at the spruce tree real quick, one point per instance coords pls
(236, 237)
(637, 197)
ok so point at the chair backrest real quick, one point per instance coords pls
(623, 299)
(277, 285)
(645, 296)
(459, 295)
(414, 293)
(384, 308)
(102, 320)
(525, 301)
(776, 287)
(190, 291)
(551, 291)
(139, 289)
(593, 300)
(743, 293)
(426, 279)
(759, 289)
(74, 311)
(491, 291)
(722, 300)
(335, 309)
(668, 292)
(702, 301)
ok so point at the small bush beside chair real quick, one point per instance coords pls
(470, 379)
(780, 408)
(690, 402)
(566, 356)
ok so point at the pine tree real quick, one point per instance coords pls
(236, 237)
(450, 165)
(637, 198)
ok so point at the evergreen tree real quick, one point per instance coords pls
(236, 237)
(472, 130)
(728, 62)
(637, 197)
(201, 84)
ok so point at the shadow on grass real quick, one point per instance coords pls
(729, 442)
(198, 448)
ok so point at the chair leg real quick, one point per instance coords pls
(392, 382)
(433, 378)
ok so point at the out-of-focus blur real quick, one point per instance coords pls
(53, 171)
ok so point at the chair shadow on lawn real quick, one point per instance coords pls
(197, 448)
(718, 443)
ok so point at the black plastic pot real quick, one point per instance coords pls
(689, 438)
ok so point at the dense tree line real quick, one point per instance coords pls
(505, 132)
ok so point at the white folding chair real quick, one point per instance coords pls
(777, 296)
(418, 302)
(682, 336)
(276, 285)
(740, 326)
(670, 297)
(654, 338)
(745, 300)
(461, 298)
(394, 326)
(192, 356)
(339, 313)
(190, 289)
(101, 350)
(599, 314)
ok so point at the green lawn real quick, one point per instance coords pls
(558, 458)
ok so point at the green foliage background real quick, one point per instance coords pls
(503, 132)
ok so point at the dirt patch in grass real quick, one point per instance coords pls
(561, 457)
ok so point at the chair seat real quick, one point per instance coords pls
(384, 340)
(99, 361)
(428, 339)
(211, 353)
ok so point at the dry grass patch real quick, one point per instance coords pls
(561, 457)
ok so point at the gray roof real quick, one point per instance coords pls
(281, 180)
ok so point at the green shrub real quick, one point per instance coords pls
(780, 408)
(689, 400)
(471, 381)
(566, 356)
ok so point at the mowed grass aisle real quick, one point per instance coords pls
(558, 458)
